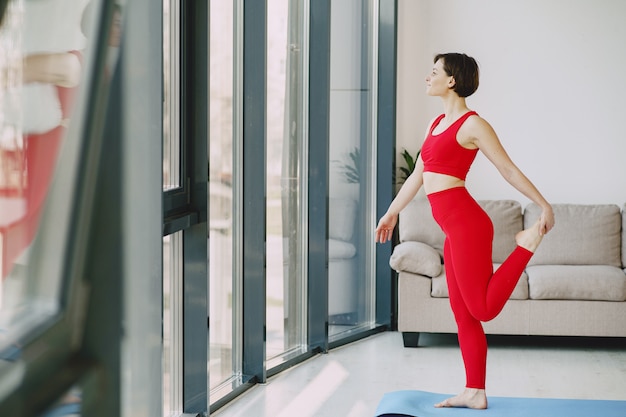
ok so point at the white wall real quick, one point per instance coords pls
(553, 85)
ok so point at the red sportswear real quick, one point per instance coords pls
(442, 153)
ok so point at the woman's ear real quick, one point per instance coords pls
(451, 82)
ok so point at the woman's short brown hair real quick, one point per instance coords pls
(464, 69)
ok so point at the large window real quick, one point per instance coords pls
(260, 182)
(286, 173)
(353, 117)
(171, 95)
(172, 324)
(224, 177)
(172, 243)
(209, 222)
(184, 63)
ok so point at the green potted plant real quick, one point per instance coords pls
(409, 164)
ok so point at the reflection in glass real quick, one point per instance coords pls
(43, 53)
(68, 406)
(285, 147)
(222, 185)
(352, 99)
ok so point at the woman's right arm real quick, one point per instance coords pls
(407, 192)
(409, 189)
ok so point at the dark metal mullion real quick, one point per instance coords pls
(319, 115)
(254, 185)
(194, 133)
(121, 331)
(387, 41)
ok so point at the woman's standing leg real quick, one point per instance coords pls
(472, 342)
(472, 339)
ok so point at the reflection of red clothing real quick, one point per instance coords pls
(41, 156)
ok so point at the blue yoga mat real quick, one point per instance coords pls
(420, 404)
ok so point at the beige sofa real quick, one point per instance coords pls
(575, 284)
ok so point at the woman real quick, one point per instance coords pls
(452, 141)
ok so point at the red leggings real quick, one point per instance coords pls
(476, 292)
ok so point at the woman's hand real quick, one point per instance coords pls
(384, 230)
(546, 220)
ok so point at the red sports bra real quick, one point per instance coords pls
(443, 154)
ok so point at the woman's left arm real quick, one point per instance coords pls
(485, 138)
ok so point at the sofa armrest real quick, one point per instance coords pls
(417, 258)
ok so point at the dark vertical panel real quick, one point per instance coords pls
(124, 265)
(195, 330)
(319, 108)
(385, 291)
(253, 204)
(103, 327)
(194, 114)
(142, 185)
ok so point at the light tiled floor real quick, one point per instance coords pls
(351, 380)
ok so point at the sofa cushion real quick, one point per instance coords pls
(582, 235)
(576, 282)
(507, 219)
(416, 257)
(417, 224)
(440, 287)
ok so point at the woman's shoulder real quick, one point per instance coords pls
(474, 130)
(475, 122)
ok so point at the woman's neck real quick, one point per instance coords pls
(454, 106)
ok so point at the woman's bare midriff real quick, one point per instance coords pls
(434, 182)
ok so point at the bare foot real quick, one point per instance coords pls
(529, 238)
(470, 398)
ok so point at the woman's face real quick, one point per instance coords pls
(438, 82)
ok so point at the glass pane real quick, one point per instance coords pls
(222, 298)
(44, 62)
(285, 146)
(352, 95)
(171, 94)
(172, 323)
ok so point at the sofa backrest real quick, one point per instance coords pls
(507, 219)
(582, 235)
(417, 224)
